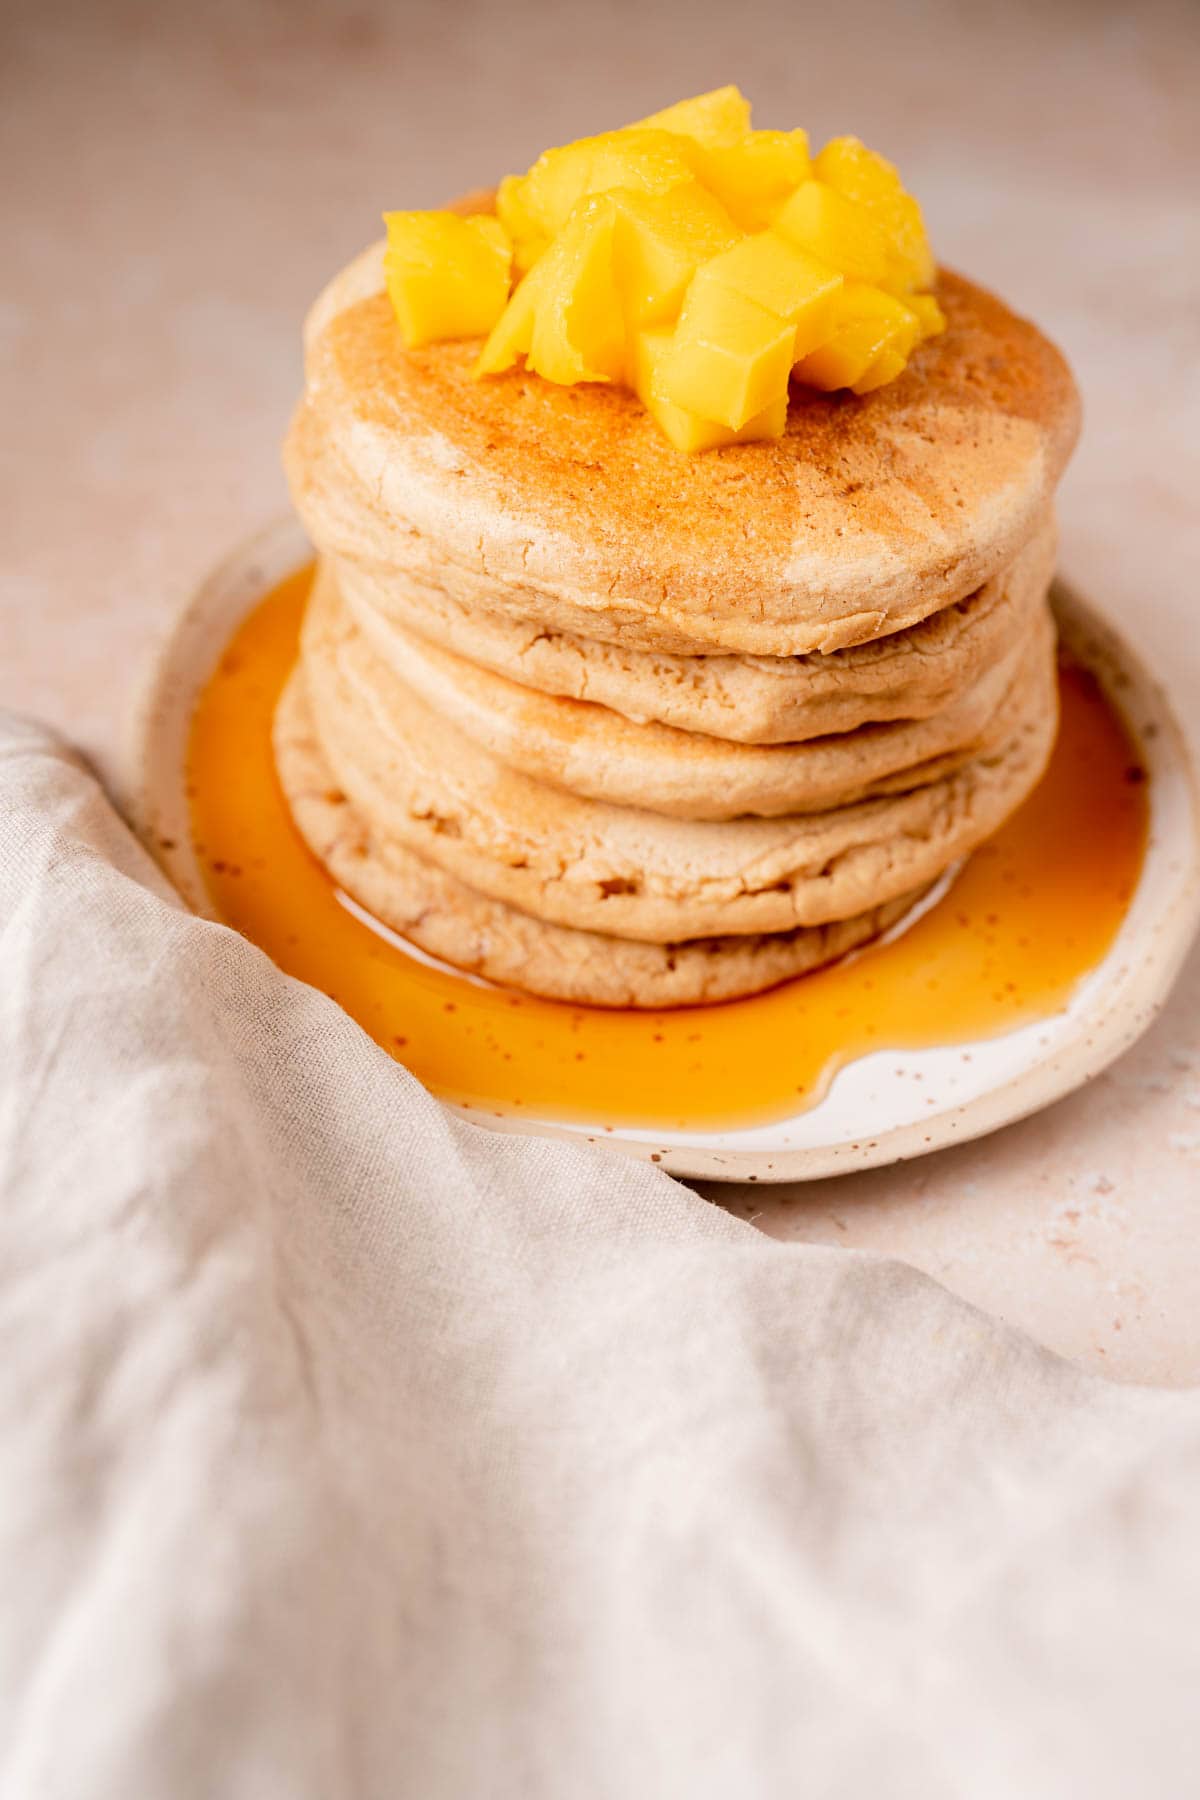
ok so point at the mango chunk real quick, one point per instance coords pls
(887, 365)
(512, 335)
(579, 326)
(647, 161)
(688, 431)
(892, 360)
(447, 276)
(754, 177)
(765, 261)
(930, 316)
(716, 118)
(512, 212)
(840, 232)
(691, 434)
(844, 358)
(527, 252)
(565, 317)
(661, 240)
(874, 184)
(772, 273)
(730, 357)
(872, 332)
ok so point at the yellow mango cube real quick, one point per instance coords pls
(842, 233)
(887, 365)
(528, 240)
(730, 357)
(844, 358)
(719, 117)
(512, 335)
(579, 325)
(687, 431)
(512, 212)
(446, 276)
(661, 240)
(565, 317)
(647, 161)
(893, 358)
(754, 177)
(772, 273)
(527, 253)
(690, 256)
(691, 434)
(874, 183)
(871, 328)
(930, 316)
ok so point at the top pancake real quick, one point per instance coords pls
(566, 504)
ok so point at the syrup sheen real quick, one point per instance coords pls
(1031, 913)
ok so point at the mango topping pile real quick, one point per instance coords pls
(699, 262)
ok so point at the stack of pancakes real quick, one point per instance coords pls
(623, 727)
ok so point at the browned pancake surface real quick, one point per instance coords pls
(866, 516)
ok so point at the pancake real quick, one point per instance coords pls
(566, 506)
(450, 920)
(628, 872)
(594, 752)
(912, 674)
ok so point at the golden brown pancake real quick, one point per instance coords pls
(594, 752)
(450, 920)
(567, 506)
(419, 782)
(909, 675)
(553, 664)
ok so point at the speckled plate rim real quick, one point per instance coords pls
(1014, 1075)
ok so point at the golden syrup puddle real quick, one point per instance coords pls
(1032, 912)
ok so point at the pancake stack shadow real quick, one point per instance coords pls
(623, 728)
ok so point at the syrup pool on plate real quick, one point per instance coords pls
(1030, 914)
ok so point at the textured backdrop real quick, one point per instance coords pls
(180, 179)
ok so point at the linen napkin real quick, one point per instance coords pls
(348, 1451)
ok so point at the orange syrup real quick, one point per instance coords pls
(1030, 914)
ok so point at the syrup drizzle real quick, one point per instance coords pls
(1030, 914)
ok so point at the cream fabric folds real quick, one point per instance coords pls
(350, 1453)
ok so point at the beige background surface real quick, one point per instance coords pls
(180, 179)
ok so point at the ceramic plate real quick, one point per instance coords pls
(1005, 1078)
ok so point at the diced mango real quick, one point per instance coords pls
(766, 262)
(649, 162)
(512, 334)
(844, 358)
(691, 434)
(861, 174)
(579, 326)
(512, 212)
(527, 252)
(688, 431)
(772, 273)
(754, 177)
(528, 240)
(565, 317)
(716, 118)
(930, 316)
(841, 233)
(730, 358)
(874, 183)
(661, 240)
(869, 325)
(887, 365)
(447, 276)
